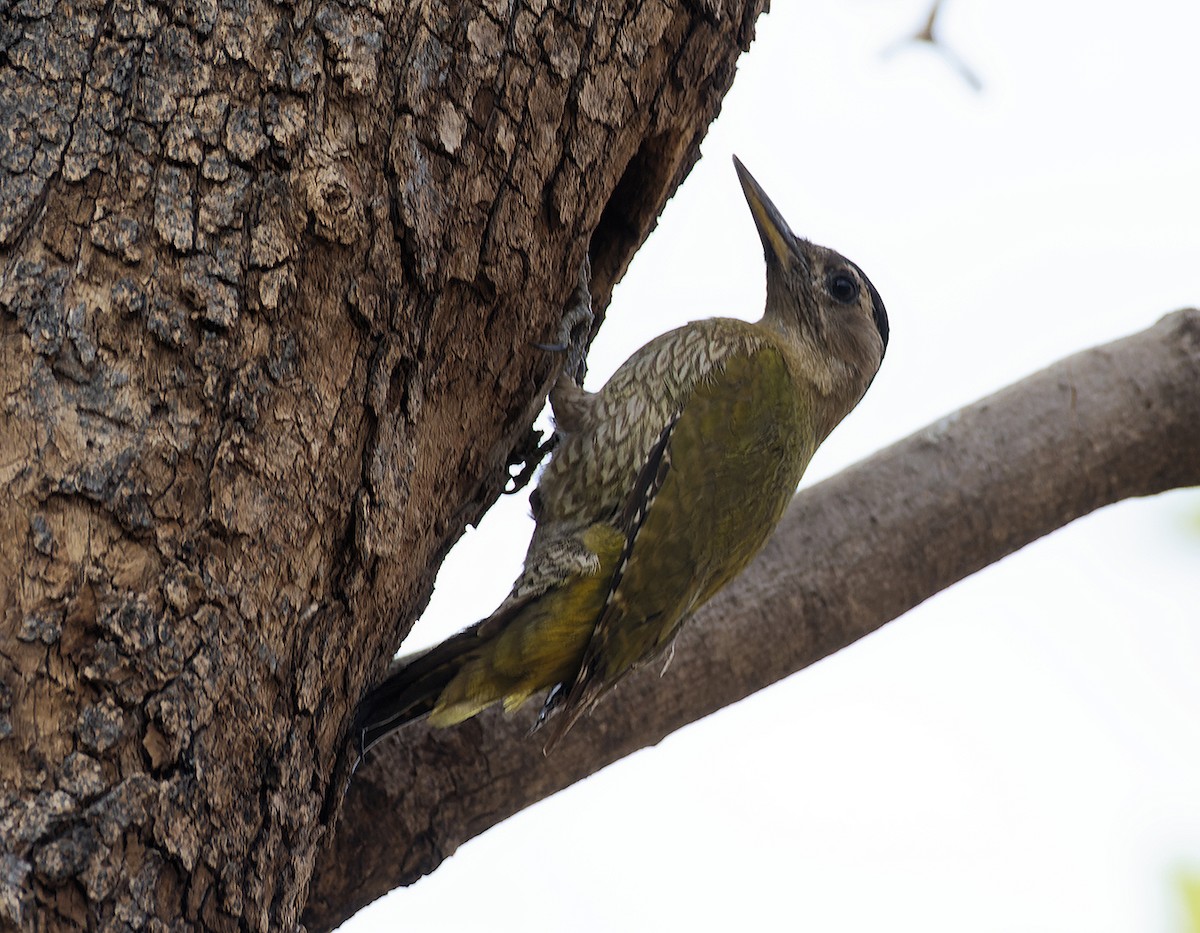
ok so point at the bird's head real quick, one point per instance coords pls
(820, 299)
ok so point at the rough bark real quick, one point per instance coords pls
(851, 554)
(269, 278)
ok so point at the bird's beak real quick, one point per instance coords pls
(778, 239)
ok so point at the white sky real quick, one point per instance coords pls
(1022, 752)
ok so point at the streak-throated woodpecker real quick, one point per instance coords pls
(663, 486)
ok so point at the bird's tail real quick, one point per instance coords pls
(411, 691)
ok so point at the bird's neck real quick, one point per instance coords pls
(818, 373)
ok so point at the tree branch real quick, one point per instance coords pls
(853, 552)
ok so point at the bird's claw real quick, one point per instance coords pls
(575, 327)
(528, 456)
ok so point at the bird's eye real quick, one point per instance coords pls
(842, 286)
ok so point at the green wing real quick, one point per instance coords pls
(709, 496)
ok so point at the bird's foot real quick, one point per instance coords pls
(575, 327)
(528, 456)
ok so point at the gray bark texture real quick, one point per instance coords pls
(270, 276)
(852, 553)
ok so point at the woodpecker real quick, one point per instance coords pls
(664, 484)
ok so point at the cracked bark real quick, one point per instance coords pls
(269, 278)
(852, 553)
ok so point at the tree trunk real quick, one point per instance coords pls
(269, 279)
